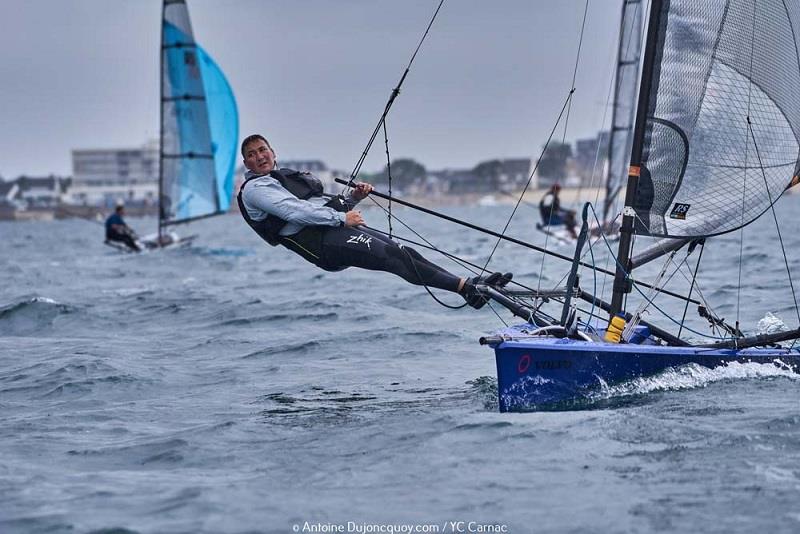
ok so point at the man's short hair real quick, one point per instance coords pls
(255, 137)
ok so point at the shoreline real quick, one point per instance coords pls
(97, 213)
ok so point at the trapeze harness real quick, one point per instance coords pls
(334, 248)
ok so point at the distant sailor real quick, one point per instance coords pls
(118, 230)
(289, 208)
(553, 214)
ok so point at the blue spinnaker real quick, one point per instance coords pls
(199, 126)
(223, 118)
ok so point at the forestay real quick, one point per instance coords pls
(721, 141)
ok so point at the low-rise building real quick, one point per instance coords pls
(32, 197)
(101, 177)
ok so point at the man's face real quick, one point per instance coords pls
(259, 157)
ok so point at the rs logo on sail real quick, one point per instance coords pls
(679, 211)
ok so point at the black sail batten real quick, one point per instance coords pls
(187, 155)
(183, 97)
(179, 45)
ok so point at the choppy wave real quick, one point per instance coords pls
(275, 317)
(74, 379)
(128, 381)
(298, 348)
(770, 323)
(31, 316)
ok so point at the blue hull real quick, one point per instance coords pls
(541, 372)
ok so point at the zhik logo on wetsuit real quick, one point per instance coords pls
(360, 238)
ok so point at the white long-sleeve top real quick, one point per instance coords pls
(265, 196)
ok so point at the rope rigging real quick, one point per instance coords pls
(396, 91)
(775, 217)
(564, 116)
(566, 107)
(694, 277)
(503, 237)
(392, 97)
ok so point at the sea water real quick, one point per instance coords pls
(231, 387)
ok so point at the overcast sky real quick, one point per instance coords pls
(312, 75)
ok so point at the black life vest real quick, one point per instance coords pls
(302, 185)
(308, 241)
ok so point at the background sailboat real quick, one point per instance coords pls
(199, 130)
(626, 81)
(620, 139)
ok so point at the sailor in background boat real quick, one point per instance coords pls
(553, 214)
(118, 230)
(289, 208)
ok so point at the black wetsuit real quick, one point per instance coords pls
(365, 248)
(334, 248)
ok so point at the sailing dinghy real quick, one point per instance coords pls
(629, 49)
(716, 141)
(199, 131)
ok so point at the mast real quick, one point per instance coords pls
(622, 284)
(161, 121)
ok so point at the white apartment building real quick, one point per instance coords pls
(101, 177)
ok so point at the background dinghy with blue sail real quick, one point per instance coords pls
(199, 131)
(716, 142)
